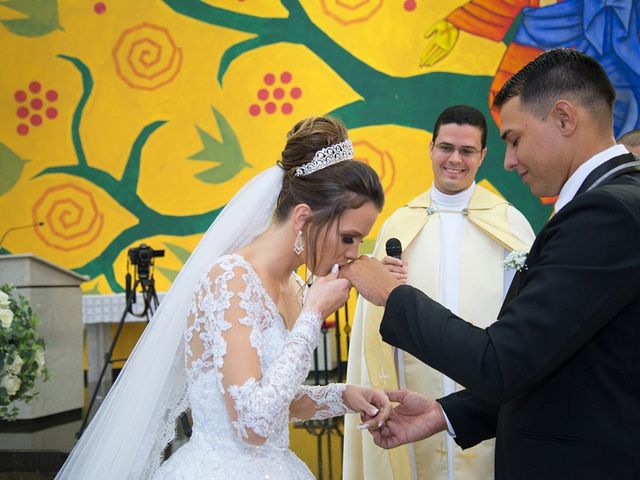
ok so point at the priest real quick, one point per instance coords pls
(456, 238)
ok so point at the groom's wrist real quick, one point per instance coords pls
(447, 424)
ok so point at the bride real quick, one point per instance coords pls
(233, 339)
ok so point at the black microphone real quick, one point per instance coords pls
(393, 248)
(8, 231)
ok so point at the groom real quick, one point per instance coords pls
(557, 379)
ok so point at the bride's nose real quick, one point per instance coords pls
(351, 253)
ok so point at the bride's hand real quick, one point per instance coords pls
(372, 404)
(327, 294)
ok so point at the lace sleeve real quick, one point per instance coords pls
(328, 400)
(257, 392)
(260, 402)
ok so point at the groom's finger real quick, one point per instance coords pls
(397, 396)
(379, 420)
(374, 416)
(368, 413)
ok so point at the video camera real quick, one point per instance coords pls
(142, 257)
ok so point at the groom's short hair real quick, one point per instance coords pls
(557, 74)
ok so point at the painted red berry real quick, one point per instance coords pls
(285, 77)
(254, 110)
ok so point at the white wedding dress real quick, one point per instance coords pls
(230, 296)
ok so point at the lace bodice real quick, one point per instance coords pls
(244, 368)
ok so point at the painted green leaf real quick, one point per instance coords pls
(178, 251)
(168, 272)
(93, 291)
(11, 166)
(227, 153)
(41, 17)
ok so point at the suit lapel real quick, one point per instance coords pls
(612, 168)
(609, 170)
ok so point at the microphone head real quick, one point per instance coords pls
(393, 248)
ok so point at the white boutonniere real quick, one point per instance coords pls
(516, 260)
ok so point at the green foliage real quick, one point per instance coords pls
(42, 17)
(21, 352)
(227, 153)
(178, 251)
(182, 253)
(11, 166)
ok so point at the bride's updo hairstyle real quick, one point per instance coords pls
(329, 191)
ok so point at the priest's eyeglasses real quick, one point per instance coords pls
(464, 151)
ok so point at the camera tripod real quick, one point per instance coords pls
(145, 281)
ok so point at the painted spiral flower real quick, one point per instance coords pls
(146, 57)
(71, 217)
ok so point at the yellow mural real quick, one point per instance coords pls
(131, 122)
(103, 72)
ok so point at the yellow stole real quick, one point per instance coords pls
(417, 225)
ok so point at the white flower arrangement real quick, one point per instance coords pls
(21, 352)
(516, 260)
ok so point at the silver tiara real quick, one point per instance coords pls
(327, 156)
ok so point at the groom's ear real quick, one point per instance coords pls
(301, 213)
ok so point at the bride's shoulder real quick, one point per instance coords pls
(228, 267)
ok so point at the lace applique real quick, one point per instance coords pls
(329, 396)
(260, 404)
(285, 357)
(207, 312)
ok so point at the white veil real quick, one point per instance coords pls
(127, 436)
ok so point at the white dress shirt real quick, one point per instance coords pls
(571, 187)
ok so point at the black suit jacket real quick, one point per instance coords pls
(557, 379)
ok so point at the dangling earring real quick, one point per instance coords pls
(298, 246)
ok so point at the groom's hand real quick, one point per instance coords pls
(371, 278)
(415, 418)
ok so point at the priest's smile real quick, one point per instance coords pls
(456, 152)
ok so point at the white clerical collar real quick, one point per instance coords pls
(571, 186)
(458, 200)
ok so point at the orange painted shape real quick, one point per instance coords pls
(381, 161)
(350, 13)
